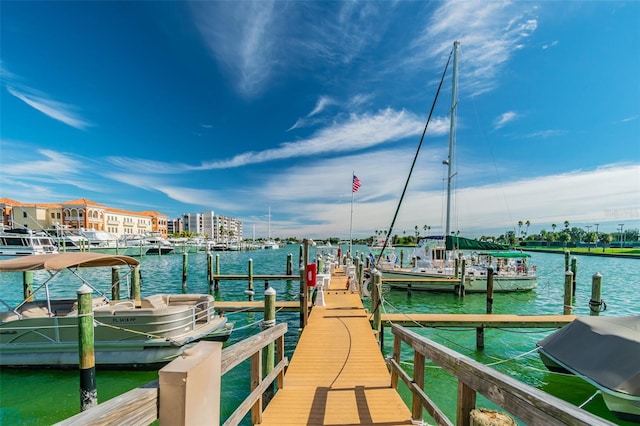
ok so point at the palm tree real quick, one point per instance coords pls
(566, 225)
(528, 223)
(554, 226)
(417, 232)
(519, 229)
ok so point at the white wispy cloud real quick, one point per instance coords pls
(52, 164)
(490, 32)
(356, 133)
(504, 119)
(257, 41)
(57, 110)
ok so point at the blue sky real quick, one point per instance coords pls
(239, 107)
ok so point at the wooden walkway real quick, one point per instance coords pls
(337, 375)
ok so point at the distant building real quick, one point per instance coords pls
(215, 227)
(81, 214)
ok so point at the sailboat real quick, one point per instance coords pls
(435, 255)
(270, 244)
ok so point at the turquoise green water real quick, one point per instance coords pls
(39, 397)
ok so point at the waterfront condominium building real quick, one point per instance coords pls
(212, 226)
(80, 214)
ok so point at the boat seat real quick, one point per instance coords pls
(34, 312)
(155, 301)
(96, 302)
(8, 316)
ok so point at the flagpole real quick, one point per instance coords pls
(351, 220)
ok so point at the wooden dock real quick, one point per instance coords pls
(337, 374)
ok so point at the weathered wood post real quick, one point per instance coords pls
(268, 322)
(490, 290)
(375, 303)
(250, 291)
(301, 255)
(461, 290)
(87, 360)
(595, 304)
(115, 283)
(216, 283)
(480, 330)
(567, 254)
(27, 285)
(568, 299)
(304, 285)
(135, 286)
(290, 264)
(210, 272)
(401, 257)
(185, 260)
(574, 269)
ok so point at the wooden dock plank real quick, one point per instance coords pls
(479, 320)
(337, 375)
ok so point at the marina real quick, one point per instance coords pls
(508, 349)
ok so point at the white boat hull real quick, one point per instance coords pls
(473, 284)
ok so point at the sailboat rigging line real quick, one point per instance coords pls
(415, 158)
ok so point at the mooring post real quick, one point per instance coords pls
(250, 291)
(490, 290)
(135, 286)
(210, 272)
(401, 257)
(304, 284)
(27, 285)
(87, 360)
(567, 254)
(461, 290)
(268, 322)
(375, 303)
(456, 268)
(290, 264)
(480, 330)
(568, 300)
(216, 283)
(574, 269)
(185, 260)
(115, 283)
(595, 304)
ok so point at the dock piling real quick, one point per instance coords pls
(27, 285)
(596, 305)
(216, 283)
(87, 360)
(115, 283)
(210, 272)
(568, 299)
(574, 269)
(135, 286)
(185, 258)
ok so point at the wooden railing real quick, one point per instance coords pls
(140, 406)
(525, 402)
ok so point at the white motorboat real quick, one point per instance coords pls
(144, 333)
(24, 242)
(604, 351)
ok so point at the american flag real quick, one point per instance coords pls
(356, 184)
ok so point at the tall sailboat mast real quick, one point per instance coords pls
(452, 133)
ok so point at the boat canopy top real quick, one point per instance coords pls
(605, 350)
(60, 261)
(461, 243)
